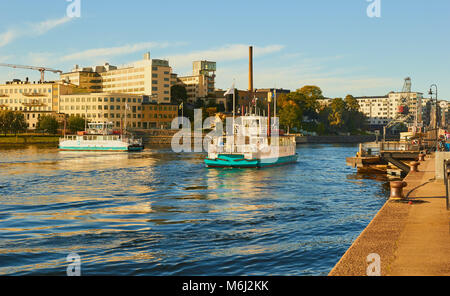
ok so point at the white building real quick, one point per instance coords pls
(380, 110)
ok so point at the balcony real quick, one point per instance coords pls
(34, 94)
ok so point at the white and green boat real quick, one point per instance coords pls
(100, 137)
(250, 147)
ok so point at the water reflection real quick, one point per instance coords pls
(163, 213)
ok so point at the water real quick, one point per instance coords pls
(163, 213)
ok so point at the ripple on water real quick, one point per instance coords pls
(162, 213)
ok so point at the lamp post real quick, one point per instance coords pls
(436, 111)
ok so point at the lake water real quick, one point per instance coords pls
(163, 213)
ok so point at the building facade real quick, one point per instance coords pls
(150, 77)
(201, 84)
(380, 110)
(131, 110)
(32, 99)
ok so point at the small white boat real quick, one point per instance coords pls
(100, 137)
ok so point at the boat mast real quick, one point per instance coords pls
(126, 107)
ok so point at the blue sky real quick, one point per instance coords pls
(329, 43)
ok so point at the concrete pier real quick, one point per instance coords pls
(412, 236)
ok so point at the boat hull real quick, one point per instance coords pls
(106, 149)
(238, 161)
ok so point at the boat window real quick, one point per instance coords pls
(85, 138)
(247, 140)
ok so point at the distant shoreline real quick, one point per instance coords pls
(28, 139)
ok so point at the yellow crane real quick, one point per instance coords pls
(40, 69)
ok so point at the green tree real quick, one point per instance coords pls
(178, 94)
(48, 123)
(351, 103)
(76, 123)
(311, 92)
(18, 124)
(6, 120)
(4, 127)
(290, 115)
(337, 114)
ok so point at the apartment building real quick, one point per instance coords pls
(33, 99)
(134, 111)
(201, 83)
(150, 77)
(380, 110)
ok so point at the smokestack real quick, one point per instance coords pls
(250, 69)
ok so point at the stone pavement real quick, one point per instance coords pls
(411, 236)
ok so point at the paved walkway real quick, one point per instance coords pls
(411, 238)
(424, 244)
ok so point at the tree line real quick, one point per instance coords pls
(13, 122)
(306, 110)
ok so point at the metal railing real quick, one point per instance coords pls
(375, 148)
(446, 181)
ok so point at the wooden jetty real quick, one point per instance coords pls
(384, 157)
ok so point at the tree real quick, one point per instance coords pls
(178, 94)
(18, 123)
(351, 103)
(7, 119)
(290, 115)
(336, 117)
(48, 123)
(307, 99)
(76, 123)
(311, 92)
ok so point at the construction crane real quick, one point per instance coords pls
(403, 112)
(40, 69)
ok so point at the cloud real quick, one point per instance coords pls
(113, 51)
(334, 80)
(31, 30)
(7, 37)
(45, 26)
(222, 54)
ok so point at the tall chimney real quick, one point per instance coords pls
(250, 69)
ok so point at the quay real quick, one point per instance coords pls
(411, 235)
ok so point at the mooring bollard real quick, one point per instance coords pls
(397, 189)
(422, 157)
(413, 165)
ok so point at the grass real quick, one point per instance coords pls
(28, 139)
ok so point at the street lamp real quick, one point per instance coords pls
(436, 111)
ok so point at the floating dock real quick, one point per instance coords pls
(411, 235)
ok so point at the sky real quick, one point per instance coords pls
(333, 44)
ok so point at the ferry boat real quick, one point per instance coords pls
(100, 137)
(250, 147)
